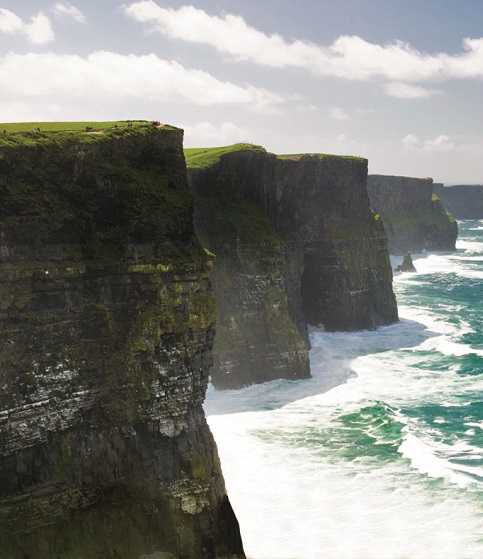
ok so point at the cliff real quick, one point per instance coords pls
(413, 216)
(107, 321)
(296, 243)
(464, 201)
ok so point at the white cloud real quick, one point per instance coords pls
(18, 111)
(346, 145)
(411, 142)
(9, 22)
(38, 31)
(307, 108)
(105, 74)
(338, 114)
(348, 57)
(407, 91)
(441, 143)
(206, 134)
(66, 9)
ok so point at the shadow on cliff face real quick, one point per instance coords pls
(328, 371)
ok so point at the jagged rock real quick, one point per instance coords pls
(413, 216)
(407, 264)
(107, 322)
(464, 201)
(295, 243)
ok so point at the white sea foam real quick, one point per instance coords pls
(302, 501)
(470, 247)
(293, 503)
(343, 465)
(438, 460)
(447, 347)
(473, 424)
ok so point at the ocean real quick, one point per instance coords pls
(380, 453)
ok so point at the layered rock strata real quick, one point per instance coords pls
(413, 216)
(107, 321)
(305, 248)
(464, 201)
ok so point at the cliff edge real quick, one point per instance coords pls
(413, 216)
(464, 201)
(296, 243)
(107, 321)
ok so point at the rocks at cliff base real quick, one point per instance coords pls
(295, 242)
(107, 320)
(414, 218)
(407, 264)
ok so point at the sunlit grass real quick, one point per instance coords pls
(200, 158)
(13, 127)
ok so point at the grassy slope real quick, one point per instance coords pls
(202, 158)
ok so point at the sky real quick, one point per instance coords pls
(398, 82)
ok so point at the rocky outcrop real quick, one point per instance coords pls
(407, 264)
(464, 201)
(413, 216)
(295, 243)
(107, 321)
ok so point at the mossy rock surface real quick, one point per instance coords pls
(108, 319)
(98, 194)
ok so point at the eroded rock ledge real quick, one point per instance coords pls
(296, 243)
(107, 322)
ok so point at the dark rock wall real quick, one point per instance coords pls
(107, 322)
(330, 259)
(261, 333)
(413, 216)
(464, 201)
(347, 279)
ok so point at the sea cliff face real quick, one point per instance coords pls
(306, 243)
(413, 216)
(464, 201)
(107, 321)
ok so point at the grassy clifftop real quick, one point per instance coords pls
(202, 158)
(29, 134)
(97, 191)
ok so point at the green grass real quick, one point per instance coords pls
(14, 127)
(298, 156)
(27, 134)
(202, 158)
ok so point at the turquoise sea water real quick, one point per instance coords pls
(380, 454)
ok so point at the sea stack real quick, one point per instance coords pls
(407, 264)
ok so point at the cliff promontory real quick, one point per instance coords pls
(296, 243)
(464, 201)
(107, 322)
(413, 216)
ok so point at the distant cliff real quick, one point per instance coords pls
(296, 243)
(413, 216)
(107, 323)
(464, 201)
